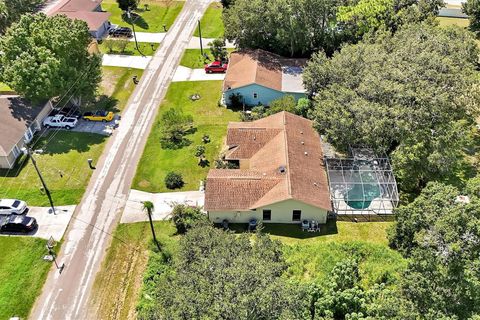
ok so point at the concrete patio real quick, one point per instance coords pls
(162, 202)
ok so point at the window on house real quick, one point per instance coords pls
(297, 215)
(255, 95)
(267, 215)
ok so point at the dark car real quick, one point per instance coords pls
(121, 32)
(16, 223)
(71, 112)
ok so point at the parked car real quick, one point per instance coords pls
(216, 67)
(71, 112)
(16, 223)
(120, 32)
(60, 121)
(13, 206)
(101, 115)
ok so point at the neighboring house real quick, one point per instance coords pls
(20, 121)
(281, 176)
(260, 77)
(89, 11)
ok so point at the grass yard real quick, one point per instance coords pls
(118, 284)
(208, 118)
(116, 87)
(159, 13)
(4, 88)
(63, 165)
(446, 21)
(313, 257)
(192, 58)
(130, 50)
(23, 273)
(212, 23)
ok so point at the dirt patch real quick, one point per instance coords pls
(118, 284)
(144, 184)
(109, 79)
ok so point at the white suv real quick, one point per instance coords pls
(13, 206)
(60, 121)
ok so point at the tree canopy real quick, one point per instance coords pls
(410, 94)
(301, 27)
(220, 275)
(45, 57)
(472, 9)
(12, 10)
(441, 236)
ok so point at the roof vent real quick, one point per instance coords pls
(264, 174)
(254, 138)
(301, 132)
(303, 142)
(315, 184)
(306, 153)
(282, 169)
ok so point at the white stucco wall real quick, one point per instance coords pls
(281, 213)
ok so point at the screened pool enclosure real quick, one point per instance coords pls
(362, 184)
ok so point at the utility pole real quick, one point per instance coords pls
(129, 16)
(200, 34)
(27, 151)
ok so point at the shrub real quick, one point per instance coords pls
(184, 217)
(174, 180)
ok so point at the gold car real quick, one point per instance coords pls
(104, 116)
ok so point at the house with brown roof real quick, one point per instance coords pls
(89, 11)
(281, 176)
(20, 121)
(259, 77)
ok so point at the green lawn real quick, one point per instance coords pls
(446, 21)
(23, 273)
(4, 87)
(130, 50)
(148, 21)
(212, 23)
(116, 87)
(63, 165)
(192, 58)
(118, 284)
(209, 119)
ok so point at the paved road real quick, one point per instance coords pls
(66, 296)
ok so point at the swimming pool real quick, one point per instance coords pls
(361, 198)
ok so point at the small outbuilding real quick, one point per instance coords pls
(89, 11)
(259, 77)
(19, 122)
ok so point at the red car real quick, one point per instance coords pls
(216, 66)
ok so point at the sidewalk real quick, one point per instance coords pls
(162, 202)
(116, 60)
(195, 43)
(186, 74)
(149, 37)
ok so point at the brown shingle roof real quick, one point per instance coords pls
(283, 140)
(17, 115)
(94, 20)
(76, 5)
(257, 67)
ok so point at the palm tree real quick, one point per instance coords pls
(148, 207)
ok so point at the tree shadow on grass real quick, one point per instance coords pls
(66, 141)
(104, 102)
(136, 19)
(289, 230)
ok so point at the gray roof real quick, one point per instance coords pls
(292, 80)
(17, 114)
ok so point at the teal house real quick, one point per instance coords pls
(258, 77)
